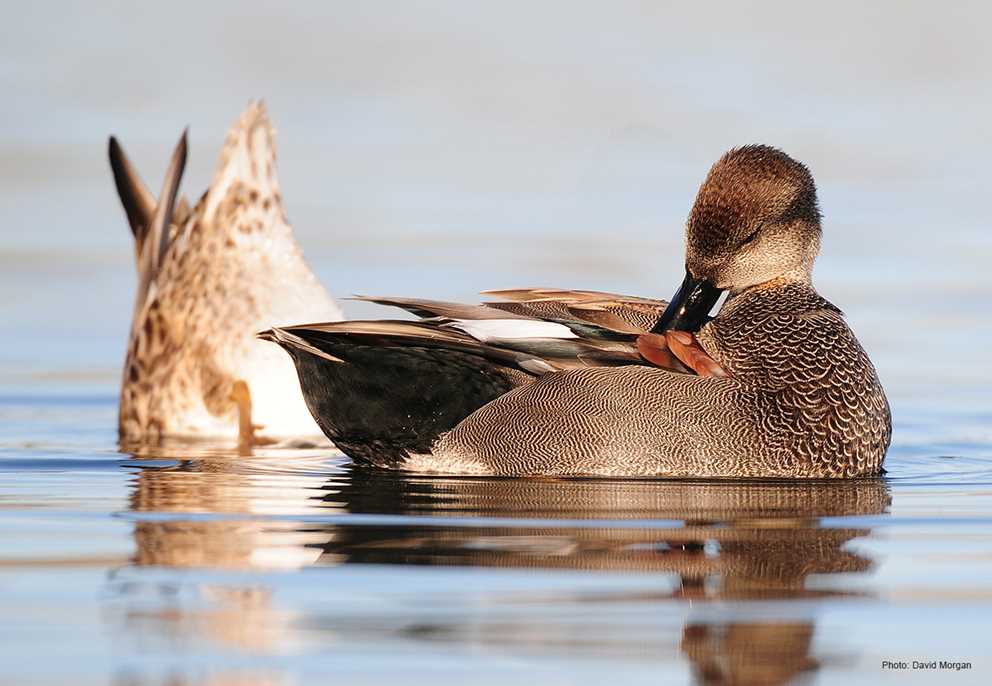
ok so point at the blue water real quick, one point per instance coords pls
(199, 566)
(436, 150)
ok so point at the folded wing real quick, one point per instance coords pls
(382, 390)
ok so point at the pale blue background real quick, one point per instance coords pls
(438, 149)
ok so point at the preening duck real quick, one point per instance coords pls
(568, 383)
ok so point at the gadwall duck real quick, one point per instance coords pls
(558, 383)
(209, 278)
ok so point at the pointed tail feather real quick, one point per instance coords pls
(156, 238)
(287, 339)
(139, 203)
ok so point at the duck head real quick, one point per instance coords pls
(755, 220)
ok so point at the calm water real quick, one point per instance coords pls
(431, 150)
(204, 567)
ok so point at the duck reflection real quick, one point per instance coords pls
(746, 539)
(235, 509)
(712, 546)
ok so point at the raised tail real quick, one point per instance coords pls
(138, 201)
(246, 176)
(150, 220)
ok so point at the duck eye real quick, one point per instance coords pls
(751, 236)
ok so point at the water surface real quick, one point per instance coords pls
(198, 565)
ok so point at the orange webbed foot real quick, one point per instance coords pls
(247, 431)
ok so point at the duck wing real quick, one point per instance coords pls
(626, 313)
(383, 390)
(561, 338)
(426, 309)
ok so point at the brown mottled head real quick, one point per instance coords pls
(755, 219)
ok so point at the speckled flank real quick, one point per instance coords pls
(232, 269)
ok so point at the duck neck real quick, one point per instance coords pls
(793, 278)
(798, 276)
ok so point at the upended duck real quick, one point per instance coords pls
(208, 279)
(563, 383)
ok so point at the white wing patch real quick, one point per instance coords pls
(486, 330)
